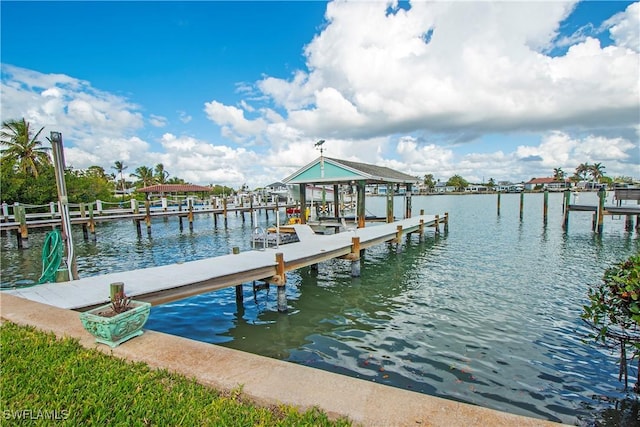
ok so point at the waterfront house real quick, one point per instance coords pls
(550, 184)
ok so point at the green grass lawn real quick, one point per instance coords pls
(45, 381)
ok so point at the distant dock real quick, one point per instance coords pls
(16, 219)
(601, 210)
(163, 284)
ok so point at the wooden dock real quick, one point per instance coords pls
(601, 210)
(162, 284)
(21, 222)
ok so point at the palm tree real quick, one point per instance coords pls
(583, 170)
(120, 168)
(144, 175)
(558, 174)
(23, 149)
(596, 171)
(161, 175)
(176, 180)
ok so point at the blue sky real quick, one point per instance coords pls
(238, 92)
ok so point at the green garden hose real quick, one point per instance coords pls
(51, 256)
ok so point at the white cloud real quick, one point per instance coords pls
(65, 104)
(624, 27)
(417, 90)
(483, 70)
(157, 121)
(184, 117)
(233, 121)
(201, 162)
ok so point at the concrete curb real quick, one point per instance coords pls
(268, 381)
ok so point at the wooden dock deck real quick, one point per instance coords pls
(167, 283)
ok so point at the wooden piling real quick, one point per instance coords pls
(281, 282)
(389, 203)
(398, 239)
(628, 225)
(20, 216)
(545, 209)
(600, 224)
(92, 222)
(446, 222)
(565, 209)
(355, 257)
(521, 205)
(224, 210)
(437, 224)
(498, 203)
(147, 216)
(360, 205)
(190, 214)
(407, 212)
(239, 293)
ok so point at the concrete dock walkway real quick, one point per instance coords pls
(161, 284)
(268, 381)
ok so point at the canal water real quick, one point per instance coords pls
(488, 313)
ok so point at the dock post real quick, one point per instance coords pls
(602, 193)
(5, 217)
(5, 212)
(355, 256)
(436, 225)
(250, 209)
(239, 294)
(521, 205)
(446, 222)
(498, 202)
(20, 216)
(83, 214)
(421, 230)
(407, 211)
(138, 229)
(52, 209)
(190, 214)
(545, 208)
(224, 210)
(628, 225)
(389, 203)
(565, 209)
(92, 221)
(147, 216)
(398, 239)
(281, 278)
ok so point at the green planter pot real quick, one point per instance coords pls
(117, 329)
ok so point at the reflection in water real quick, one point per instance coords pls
(488, 313)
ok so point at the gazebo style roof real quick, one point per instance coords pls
(175, 188)
(336, 171)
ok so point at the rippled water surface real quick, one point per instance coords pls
(488, 313)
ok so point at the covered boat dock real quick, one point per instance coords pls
(354, 177)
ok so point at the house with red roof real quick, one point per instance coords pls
(551, 184)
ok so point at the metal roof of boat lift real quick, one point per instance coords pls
(333, 171)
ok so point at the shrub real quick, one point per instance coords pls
(614, 312)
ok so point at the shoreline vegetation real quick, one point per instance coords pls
(45, 379)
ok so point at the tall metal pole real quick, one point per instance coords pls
(63, 200)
